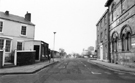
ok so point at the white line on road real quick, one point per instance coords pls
(95, 73)
(85, 65)
(121, 73)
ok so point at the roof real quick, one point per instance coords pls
(37, 41)
(15, 18)
(108, 3)
(102, 16)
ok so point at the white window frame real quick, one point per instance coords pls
(17, 43)
(21, 29)
(3, 25)
(10, 45)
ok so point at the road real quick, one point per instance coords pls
(72, 71)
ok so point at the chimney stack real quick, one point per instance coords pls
(7, 12)
(28, 16)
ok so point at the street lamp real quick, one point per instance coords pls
(54, 45)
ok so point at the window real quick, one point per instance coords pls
(126, 39)
(23, 31)
(101, 35)
(8, 42)
(115, 42)
(112, 11)
(1, 26)
(19, 45)
(123, 46)
(105, 19)
(105, 34)
(122, 10)
(1, 44)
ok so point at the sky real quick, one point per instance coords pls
(74, 21)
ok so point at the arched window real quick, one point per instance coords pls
(128, 41)
(126, 38)
(123, 42)
(112, 11)
(115, 42)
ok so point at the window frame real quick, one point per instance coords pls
(2, 44)
(23, 33)
(126, 34)
(18, 48)
(1, 26)
(6, 48)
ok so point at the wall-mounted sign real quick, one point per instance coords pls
(123, 18)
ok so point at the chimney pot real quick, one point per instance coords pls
(7, 12)
(28, 16)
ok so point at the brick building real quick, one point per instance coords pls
(102, 37)
(122, 31)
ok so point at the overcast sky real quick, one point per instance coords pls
(74, 21)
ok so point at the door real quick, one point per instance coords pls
(1, 52)
(36, 48)
(101, 52)
(7, 51)
(5, 47)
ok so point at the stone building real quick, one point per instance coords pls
(122, 31)
(102, 37)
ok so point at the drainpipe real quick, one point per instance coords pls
(109, 54)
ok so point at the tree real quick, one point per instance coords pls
(91, 48)
(62, 52)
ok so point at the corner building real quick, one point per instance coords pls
(102, 37)
(122, 31)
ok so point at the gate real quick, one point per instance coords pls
(1, 58)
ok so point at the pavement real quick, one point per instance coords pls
(113, 66)
(28, 69)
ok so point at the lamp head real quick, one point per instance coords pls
(54, 32)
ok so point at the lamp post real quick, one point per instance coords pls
(54, 45)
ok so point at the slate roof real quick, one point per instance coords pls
(15, 18)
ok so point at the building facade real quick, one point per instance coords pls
(41, 49)
(102, 37)
(14, 30)
(122, 31)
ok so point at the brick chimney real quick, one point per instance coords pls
(28, 16)
(7, 12)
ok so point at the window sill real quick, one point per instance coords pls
(23, 35)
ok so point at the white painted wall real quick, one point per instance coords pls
(13, 29)
(28, 45)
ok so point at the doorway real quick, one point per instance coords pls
(101, 52)
(36, 48)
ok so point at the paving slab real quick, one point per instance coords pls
(28, 69)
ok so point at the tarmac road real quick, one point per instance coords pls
(72, 71)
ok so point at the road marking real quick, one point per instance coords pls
(95, 73)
